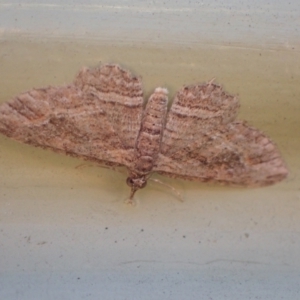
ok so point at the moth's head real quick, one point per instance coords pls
(136, 183)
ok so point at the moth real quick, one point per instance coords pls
(101, 117)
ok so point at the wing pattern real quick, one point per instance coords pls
(97, 117)
(201, 141)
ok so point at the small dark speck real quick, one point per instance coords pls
(184, 236)
(106, 228)
(42, 243)
(78, 278)
(247, 235)
(142, 230)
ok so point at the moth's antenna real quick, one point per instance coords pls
(169, 186)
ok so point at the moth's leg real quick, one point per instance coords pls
(211, 81)
(170, 187)
(119, 169)
(84, 165)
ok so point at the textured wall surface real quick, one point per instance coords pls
(181, 22)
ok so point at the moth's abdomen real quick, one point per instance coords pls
(149, 139)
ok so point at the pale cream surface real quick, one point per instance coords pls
(63, 223)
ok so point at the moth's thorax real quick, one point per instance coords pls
(150, 135)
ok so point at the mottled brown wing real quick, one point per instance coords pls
(201, 141)
(97, 117)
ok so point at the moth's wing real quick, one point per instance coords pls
(97, 117)
(201, 141)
